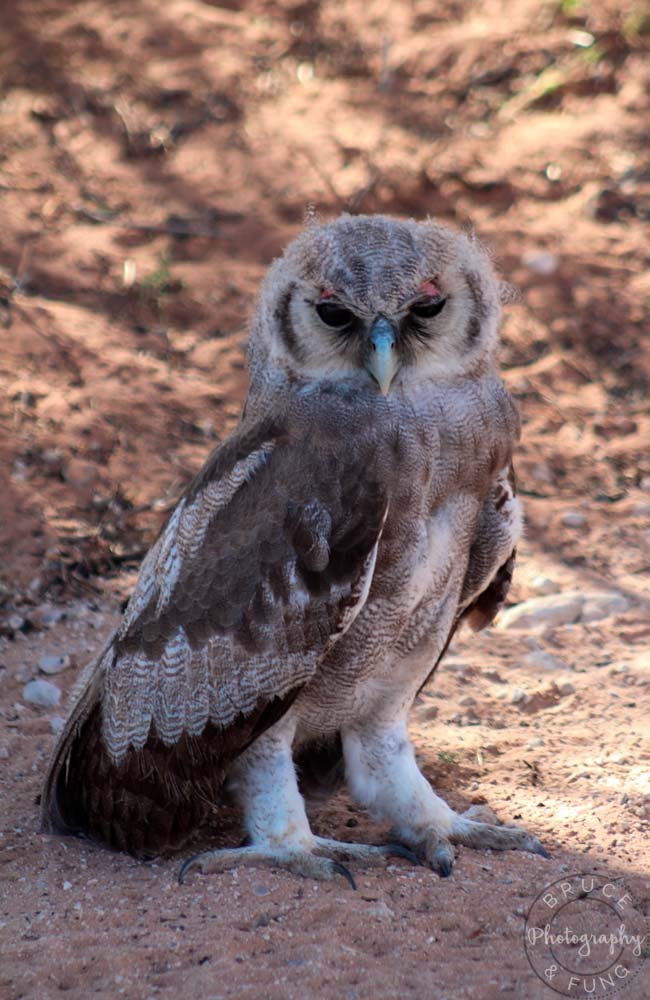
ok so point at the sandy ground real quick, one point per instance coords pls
(153, 160)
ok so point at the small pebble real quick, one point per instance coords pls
(42, 693)
(543, 585)
(57, 722)
(573, 519)
(540, 262)
(46, 615)
(541, 660)
(50, 664)
(11, 624)
(535, 743)
(381, 910)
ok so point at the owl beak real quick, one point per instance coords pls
(382, 355)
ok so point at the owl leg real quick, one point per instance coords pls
(263, 781)
(384, 778)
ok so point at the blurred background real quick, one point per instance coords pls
(155, 157)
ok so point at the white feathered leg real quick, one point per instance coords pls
(263, 782)
(384, 778)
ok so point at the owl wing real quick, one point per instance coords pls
(265, 561)
(491, 560)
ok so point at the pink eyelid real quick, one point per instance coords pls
(429, 288)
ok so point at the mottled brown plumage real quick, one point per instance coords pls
(310, 578)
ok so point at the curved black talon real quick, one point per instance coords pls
(400, 851)
(444, 868)
(543, 852)
(342, 870)
(185, 867)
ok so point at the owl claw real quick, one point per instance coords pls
(345, 872)
(440, 854)
(401, 851)
(300, 861)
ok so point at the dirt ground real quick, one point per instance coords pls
(153, 159)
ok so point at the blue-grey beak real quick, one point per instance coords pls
(382, 354)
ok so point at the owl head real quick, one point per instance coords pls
(385, 303)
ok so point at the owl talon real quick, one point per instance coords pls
(401, 851)
(297, 860)
(440, 854)
(345, 872)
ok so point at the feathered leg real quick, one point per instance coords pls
(264, 782)
(384, 777)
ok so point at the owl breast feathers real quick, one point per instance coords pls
(310, 578)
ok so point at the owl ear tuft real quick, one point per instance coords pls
(508, 294)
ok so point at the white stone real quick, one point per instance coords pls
(540, 262)
(568, 608)
(50, 664)
(381, 911)
(543, 585)
(543, 612)
(602, 605)
(57, 722)
(542, 473)
(42, 693)
(573, 519)
(46, 615)
(541, 660)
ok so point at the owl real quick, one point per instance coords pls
(311, 577)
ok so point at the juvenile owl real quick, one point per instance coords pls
(311, 577)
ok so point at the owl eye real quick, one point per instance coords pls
(334, 315)
(426, 308)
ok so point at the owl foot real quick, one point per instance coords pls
(471, 830)
(367, 854)
(294, 859)
(323, 864)
(439, 854)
